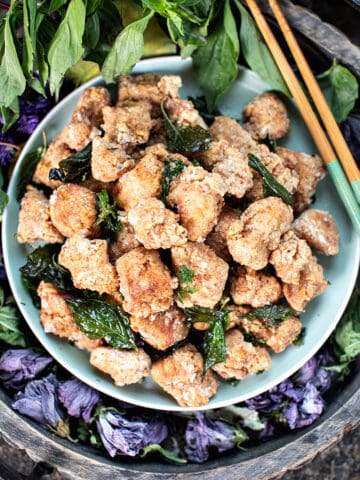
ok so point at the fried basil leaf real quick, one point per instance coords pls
(186, 276)
(172, 169)
(27, 169)
(201, 106)
(271, 315)
(107, 215)
(98, 319)
(74, 168)
(272, 188)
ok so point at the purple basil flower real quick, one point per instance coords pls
(156, 430)
(306, 372)
(79, 399)
(350, 129)
(119, 435)
(7, 152)
(202, 433)
(39, 401)
(18, 366)
(312, 404)
(291, 413)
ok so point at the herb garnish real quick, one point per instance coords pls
(185, 139)
(27, 170)
(98, 319)
(9, 322)
(271, 315)
(74, 168)
(172, 169)
(299, 340)
(186, 276)
(107, 215)
(272, 188)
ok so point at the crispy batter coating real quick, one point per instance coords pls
(290, 257)
(250, 287)
(148, 86)
(145, 282)
(89, 265)
(124, 366)
(217, 237)
(34, 219)
(73, 210)
(266, 117)
(319, 229)
(311, 284)
(242, 357)
(141, 183)
(130, 124)
(109, 160)
(184, 112)
(198, 197)
(156, 226)
(181, 375)
(125, 240)
(226, 128)
(257, 233)
(310, 169)
(161, 330)
(56, 152)
(56, 317)
(210, 274)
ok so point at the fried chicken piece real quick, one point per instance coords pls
(210, 274)
(57, 151)
(217, 237)
(156, 226)
(242, 357)
(226, 128)
(89, 265)
(250, 287)
(145, 282)
(130, 124)
(124, 366)
(310, 169)
(34, 219)
(125, 240)
(141, 183)
(253, 237)
(181, 375)
(290, 257)
(161, 330)
(266, 117)
(73, 210)
(56, 317)
(319, 229)
(198, 197)
(109, 160)
(311, 284)
(183, 112)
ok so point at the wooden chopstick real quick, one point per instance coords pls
(333, 130)
(333, 165)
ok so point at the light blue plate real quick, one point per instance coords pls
(321, 315)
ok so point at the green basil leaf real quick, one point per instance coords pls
(108, 215)
(10, 114)
(347, 334)
(92, 6)
(98, 319)
(56, 5)
(341, 89)
(272, 315)
(216, 62)
(29, 44)
(126, 50)
(167, 454)
(172, 169)
(12, 79)
(9, 326)
(74, 168)
(27, 170)
(257, 54)
(92, 32)
(66, 47)
(272, 188)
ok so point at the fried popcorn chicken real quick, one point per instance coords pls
(124, 366)
(266, 117)
(198, 197)
(129, 124)
(226, 128)
(290, 257)
(56, 317)
(34, 219)
(250, 287)
(145, 282)
(161, 330)
(89, 265)
(109, 160)
(57, 151)
(140, 183)
(181, 375)
(210, 274)
(217, 237)
(311, 284)
(73, 210)
(125, 240)
(156, 226)
(184, 112)
(310, 169)
(319, 229)
(253, 237)
(242, 357)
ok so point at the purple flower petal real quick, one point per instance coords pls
(39, 401)
(307, 372)
(291, 413)
(313, 402)
(79, 399)
(18, 366)
(156, 430)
